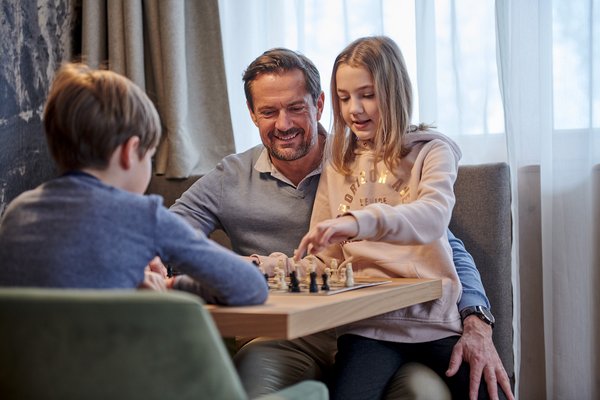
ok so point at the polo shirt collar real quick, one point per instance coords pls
(264, 165)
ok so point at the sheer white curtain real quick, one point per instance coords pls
(510, 80)
(455, 77)
(549, 57)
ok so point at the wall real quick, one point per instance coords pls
(36, 37)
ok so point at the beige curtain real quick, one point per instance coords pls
(173, 50)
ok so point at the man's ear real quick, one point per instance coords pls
(320, 105)
(252, 115)
(129, 150)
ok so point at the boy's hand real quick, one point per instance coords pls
(156, 265)
(155, 276)
(153, 281)
(326, 233)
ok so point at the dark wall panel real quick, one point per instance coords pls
(36, 38)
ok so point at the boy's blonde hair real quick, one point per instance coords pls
(383, 59)
(89, 113)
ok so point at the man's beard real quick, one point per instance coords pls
(286, 155)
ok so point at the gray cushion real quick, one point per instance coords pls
(482, 220)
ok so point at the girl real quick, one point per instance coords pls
(385, 199)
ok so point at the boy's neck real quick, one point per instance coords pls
(118, 173)
(105, 176)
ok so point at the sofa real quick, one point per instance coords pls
(481, 218)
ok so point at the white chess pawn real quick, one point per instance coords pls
(349, 275)
(281, 279)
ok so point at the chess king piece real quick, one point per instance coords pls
(349, 275)
(313, 287)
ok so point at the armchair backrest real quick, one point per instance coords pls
(75, 344)
(482, 220)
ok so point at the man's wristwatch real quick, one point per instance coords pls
(483, 313)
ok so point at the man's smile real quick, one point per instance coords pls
(287, 135)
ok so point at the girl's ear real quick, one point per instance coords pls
(129, 150)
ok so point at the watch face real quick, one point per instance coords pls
(486, 313)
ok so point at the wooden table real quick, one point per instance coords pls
(290, 315)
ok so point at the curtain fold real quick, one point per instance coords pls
(173, 50)
(547, 65)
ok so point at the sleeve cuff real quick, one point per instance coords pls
(469, 299)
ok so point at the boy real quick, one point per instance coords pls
(92, 227)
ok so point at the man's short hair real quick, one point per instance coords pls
(280, 60)
(89, 113)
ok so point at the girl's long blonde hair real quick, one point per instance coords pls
(382, 57)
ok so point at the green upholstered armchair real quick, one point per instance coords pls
(116, 344)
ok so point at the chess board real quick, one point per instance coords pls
(334, 287)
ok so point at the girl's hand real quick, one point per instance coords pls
(326, 233)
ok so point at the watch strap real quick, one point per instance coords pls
(480, 311)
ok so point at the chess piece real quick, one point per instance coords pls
(334, 271)
(349, 275)
(262, 271)
(312, 267)
(325, 278)
(281, 265)
(313, 287)
(281, 280)
(276, 271)
(294, 283)
(298, 270)
(341, 276)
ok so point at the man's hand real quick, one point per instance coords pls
(477, 349)
(326, 233)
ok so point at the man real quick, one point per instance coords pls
(263, 199)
